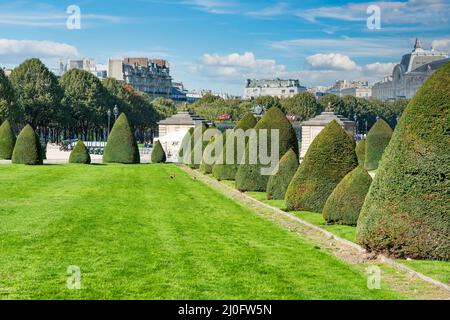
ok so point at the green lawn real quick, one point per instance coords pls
(439, 270)
(137, 233)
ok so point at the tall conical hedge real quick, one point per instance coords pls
(7, 141)
(377, 140)
(279, 182)
(121, 146)
(80, 154)
(184, 143)
(206, 166)
(158, 153)
(228, 171)
(346, 200)
(329, 158)
(361, 152)
(406, 212)
(28, 149)
(249, 177)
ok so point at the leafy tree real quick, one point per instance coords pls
(269, 102)
(80, 154)
(303, 105)
(86, 99)
(329, 158)
(164, 107)
(6, 98)
(28, 149)
(406, 213)
(121, 146)
(38, 94)
(7, 140)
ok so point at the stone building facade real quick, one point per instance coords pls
(409, 75)
(276, 88)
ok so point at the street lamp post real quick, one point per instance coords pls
(116, 112)
(109, 122)
(355, 117)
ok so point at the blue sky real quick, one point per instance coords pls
(217, 44)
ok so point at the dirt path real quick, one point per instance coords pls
(397, 276)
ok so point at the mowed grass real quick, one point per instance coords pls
(136, 233)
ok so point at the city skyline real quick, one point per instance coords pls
(314, 41)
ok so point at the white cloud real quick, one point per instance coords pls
(237, 66)
(212, 6)
(331, 61)
(14, 51)
(276, 10)
(421, 12)
(378, 68)
(441, 44)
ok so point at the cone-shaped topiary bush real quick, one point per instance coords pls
(191, 159)
(249, 177)
(279, 182)
(80, 154)
(329, 158)
(7, 141)
(344, 204)
(184, 143)
(228, 171)
(206, 166)
(361, 152)
(28, 149)
(377, 140)
(158, 153)
(121, 146)
(406, 212)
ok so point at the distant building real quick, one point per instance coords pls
(178, 92)
(275, 88)
(146, 75)
(173, 129)
(312, 127)
(88, 65)
(358, 89)
(409, 75)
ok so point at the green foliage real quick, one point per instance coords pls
(121, 146)
(211, 109)
(228, 171)
(209, 151)
(279, 182)
(406, 212)
(85, 98)
(164, 107)
(7, 140)
(303, 105)
(249, 177)
(37, 93)
(6, 98)
(80, 154)
(361, 152)
(345, 202)
(158, 153)
(28, 149)
(377, 140)
(184, 143)
(269, 102)
(329, 158)
(190, 138)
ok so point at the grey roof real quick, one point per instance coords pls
(325, 118)
(183, 118)
(432, 65)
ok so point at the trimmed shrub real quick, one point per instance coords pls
(344, 204)
(121, 146)
(184, 143)
(28, 149)
(249, 177)
(406, 212)
(329, 158)
(361, 152)
(279, 182)
(7, 141)
(228, 171)
(377, 140)
(205, 167)
(80, 154)
(158, 153)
